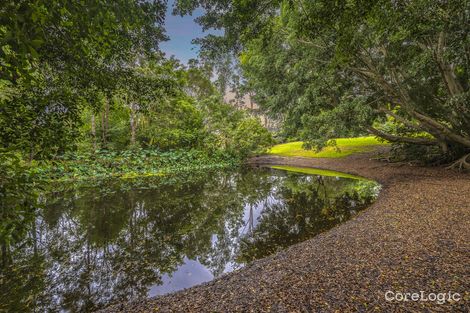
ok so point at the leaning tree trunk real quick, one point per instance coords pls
(447, 71)
(392, 85)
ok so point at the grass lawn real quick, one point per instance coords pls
(345, 147)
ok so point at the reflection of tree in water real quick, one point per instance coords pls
(110, 243)
(92, 246)
(310, 205)
(244, 188)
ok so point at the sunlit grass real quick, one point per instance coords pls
(316, 171)
(345, 147)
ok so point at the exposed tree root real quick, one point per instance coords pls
(382, 158)
(461, 164)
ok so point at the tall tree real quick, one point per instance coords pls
(54, 53)
(346, 65)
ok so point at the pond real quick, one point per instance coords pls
(90, 246)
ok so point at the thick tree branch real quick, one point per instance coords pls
(401, 119)
(445, 131)
(393, 138)
(453, 85)
(433, 126)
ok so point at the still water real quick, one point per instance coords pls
(93, 245)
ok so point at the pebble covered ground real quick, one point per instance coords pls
(415, 237)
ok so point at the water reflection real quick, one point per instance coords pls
(90, 246)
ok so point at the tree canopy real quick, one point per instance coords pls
(57, 55)
(89, 75)
(399, 70)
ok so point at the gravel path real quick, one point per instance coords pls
(415, 237)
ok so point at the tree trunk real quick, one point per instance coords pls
(397, 91)
(132, 123)
(93, 130)
(105, 121)
(442, 129)
(103, 129)
(447, 70)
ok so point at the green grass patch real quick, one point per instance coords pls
(344, 147)
(316, 171)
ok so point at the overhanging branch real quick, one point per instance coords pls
(394, 138)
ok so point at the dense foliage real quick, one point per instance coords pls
(336, 68)
(85, 93)
(81, 77)
(54, 55)
(131, 163)
(17, 199)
